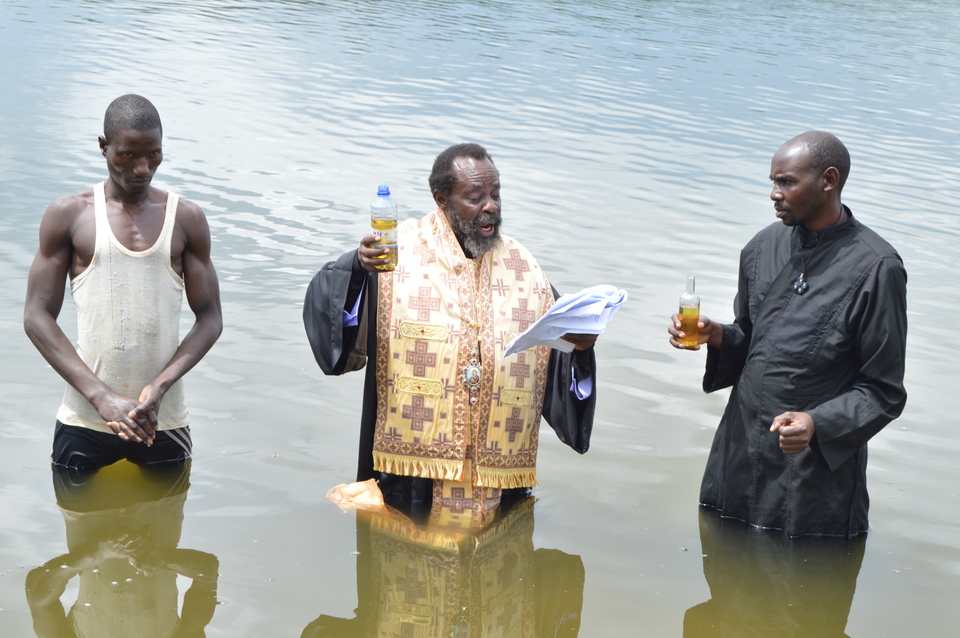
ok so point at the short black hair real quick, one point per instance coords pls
(444, 176)
(826, 150)
(130, 112)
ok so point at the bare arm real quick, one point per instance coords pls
(46, 284)
(203, 296)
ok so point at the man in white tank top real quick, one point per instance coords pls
(130, 251)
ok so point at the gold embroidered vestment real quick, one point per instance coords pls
(436, 312)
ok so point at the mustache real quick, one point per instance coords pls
(487, 218)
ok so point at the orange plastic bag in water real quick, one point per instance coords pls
(364, 495)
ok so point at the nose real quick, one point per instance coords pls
(775, 194)
(490, 205)
(142, 167)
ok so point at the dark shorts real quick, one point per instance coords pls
(77, 490)
(83, 448)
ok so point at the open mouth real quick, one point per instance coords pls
(488, 225)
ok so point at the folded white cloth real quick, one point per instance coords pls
(585, 312)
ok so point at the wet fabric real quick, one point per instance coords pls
(128, 320)
(83, 448)
(835, 352)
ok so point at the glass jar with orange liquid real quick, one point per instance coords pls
(690, 313)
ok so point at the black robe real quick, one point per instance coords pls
(335, 288)
(835, 352)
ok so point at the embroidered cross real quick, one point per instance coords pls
(421, 358)
(520, 369)
(393, 435)
(458, 501)
(443, 439)
(454, 333)
(500, 288)
(418, 413)
(427, 255)
(514, 424)
(424, 304)
(413, 587)
(515, 263)
(540, 289)
(524, 316)
(448, 387)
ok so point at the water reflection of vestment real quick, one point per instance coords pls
(436, 582)
(123, 526)
(764, 584)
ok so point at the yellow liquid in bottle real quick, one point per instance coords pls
(387, 229)
(689, 318)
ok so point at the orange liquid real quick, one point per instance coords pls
(689, 318)
(387, 229)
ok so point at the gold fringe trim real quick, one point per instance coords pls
(400, 528)
(413, 466)
(506, 478)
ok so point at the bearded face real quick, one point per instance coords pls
(477, 237)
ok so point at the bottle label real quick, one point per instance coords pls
(387, 230)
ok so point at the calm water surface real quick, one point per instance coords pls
(633, 140)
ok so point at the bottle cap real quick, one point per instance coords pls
(383, 191)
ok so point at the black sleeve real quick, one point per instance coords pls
(570, 417)
(334, 288)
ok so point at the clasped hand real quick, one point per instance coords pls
(132, 420)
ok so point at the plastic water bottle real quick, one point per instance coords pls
(383, 221)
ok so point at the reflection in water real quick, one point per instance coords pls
(441, 581)
(766, 584)
(123, 526)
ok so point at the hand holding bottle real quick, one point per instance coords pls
(688, 328)
(383, 222)
(708, 332)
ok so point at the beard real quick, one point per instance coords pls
(474, 244)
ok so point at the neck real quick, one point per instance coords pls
(113, 191)
(832, 214)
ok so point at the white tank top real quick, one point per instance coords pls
(128, 320)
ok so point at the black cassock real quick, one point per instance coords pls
(335, 288)
(835, 352)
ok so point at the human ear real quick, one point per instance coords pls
(830, 177)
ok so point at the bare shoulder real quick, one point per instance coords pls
(192, 227)
(69, 207)
(68, 217)
(190, 214)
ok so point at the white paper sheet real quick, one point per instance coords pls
(585, 312)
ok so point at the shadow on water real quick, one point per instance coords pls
(763, 583)
(123, 527)
(439, 580)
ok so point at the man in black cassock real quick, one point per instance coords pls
(459, 261)
(815, 355)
